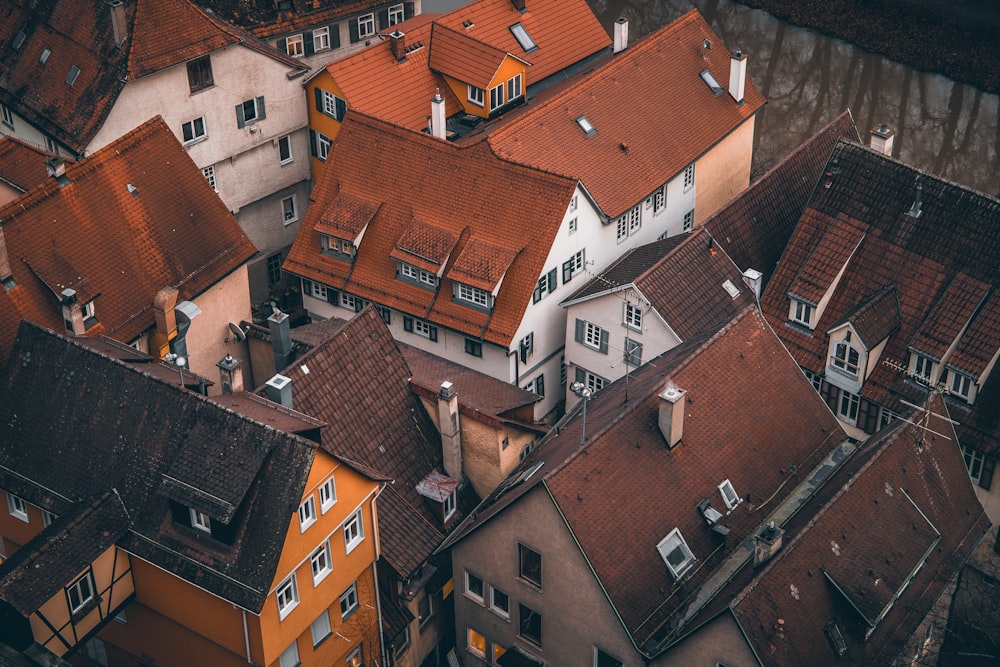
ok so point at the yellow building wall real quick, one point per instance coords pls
(724, 171)
(14, 532)
(319, 121)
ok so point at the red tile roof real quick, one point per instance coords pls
(96, 236)
(653, 115)
(413, 176)
(263, 18)
(462, 57)
(949, 316)
(826, 261)
(22, 166)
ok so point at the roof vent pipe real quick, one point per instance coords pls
(281, 338)
(737, 75)
(621, 35)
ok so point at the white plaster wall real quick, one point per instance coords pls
(28, 133)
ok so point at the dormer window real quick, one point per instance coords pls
(729, 494)
(675, 553)
(923, 368)
(845, 357)
(87, 311)
(449, 505)
(200, 521)
(473, 296)
(801, 312)
(417, 276)
(341, 249)
(960, 384)
(80, 592)
(476, 95)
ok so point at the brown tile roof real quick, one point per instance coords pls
(426, 246)
(120, 248)
(346, 216)
(566, 32)
(263, 18)
(629, 266)
(827, 260)
(417, 177)
(949, 316)
(876, 317)
(903, 505)
(463, 57)
(978, 344)
(22, 166)
(626, 159)
(754, 228)
(92, 412)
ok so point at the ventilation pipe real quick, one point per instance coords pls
(281, 338)
(438, 122)
(279, 390)
(118, 22)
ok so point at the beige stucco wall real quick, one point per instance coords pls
(718, 641)
(226, 301)
(724, 171)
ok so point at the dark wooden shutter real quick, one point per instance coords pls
(352, 27)
(341, 107)
(540, 385)
(241, 120)
(261, 112)
(580, 324)
(312, 143)
(433, 331)
(283, 45)
(868, 416)
(334, 35)
(830, 394)
(383, 19)
(986, 478)
(552, 281)
(307, 287)
(581, 376)
(536, 296)
(408, 10)
(604, 341)
(407, 323)
(567, 270)
(307, 40)
(319, 99)
(332, 296)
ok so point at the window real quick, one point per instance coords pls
(476, 95)
(7, 114)
(354, 532)
(79, 593)
(633, 317)
(71, 76)
(354, 659)
(330, 104)
(285, 149)
(18, 507)
(366, 26)
(473, 295)
(209, 174)
(339, 248)
(573, 203)
(573, 266)
(386, 314)
(980, 467)
(529, 565)
(660, 199)
(632, 352)
(352, 302)
(886, 417)
(349, 601)
(193, 131)
(250, 112)
(546, 284)
(307, 514)
(729, 494)
(312, 288)
(473, 347)
(401, 642)
(474, 587)
(526, 347)
(295, 46)
(323, 144)
(395, 14)
(847, 408)
(200, 74)
(602, 659)
(845, 357)
(585, 125)
(418, 276)
(449, 505)
(801, 312)
(327, 495)
(200, 520)
(592, 336)
(477, 643)
(290, 656)
(688, 177)
(499, 602)
(523, 38)
(514, 87)
(321, 39)
(571, 225)
(419, 327)
(529, 624)
(960, 385)
(629, 223)
(675, 553)
(274, 269)
(320, 562)
(688, 221)
(287, 595)
(425, 609)
(288, 212)
(47, 518)
(923, 367)
(593, 382)
(496, 97)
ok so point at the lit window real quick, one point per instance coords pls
(529, 565)
(477, 643)
(523, 38)
(476, 95)
(200, 520)
(18, 507)
(688, 177)
(320, 562)
(675, 553)
(801, 312)
(500, 602)
(321, 39)
(287, 595)
(193, 130)
(294, 45)
(496, 97)
(366, 26)
(349, 601)
(633, 316)
(729, 494)
(339, 248)
(290, 656)
(320, 628)
(209, 174)
(354, 659)
(79, 593)
(250, 111)
(285, 149)
(395, 14)
(354, 532)
(529, 624)
(327, 495)
(288, 212)
(474, 587)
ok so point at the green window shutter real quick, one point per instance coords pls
(567, 270)
(433, 333)
(408, 10)
(332, 297)
(580, 324)
(604, 341)
(307, 287)
(581, 376)
(319, 99)
(540, 385)
(407, 323)
(307, 41)
(312, 143)
(352, 27)
(986, 478)
(241, 120)
(552, 280)
(334, 35)
(283, 45)
(383, 19)
(341, 108)
(261, 113)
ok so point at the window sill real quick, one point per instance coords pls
(88, 606)
(288, 161)
(348, 548)
(290, 221)
(345, 617)
(531, 584)
(22, 517)
(196, 140)
(323, 575)
(283, 613)
(841, 371)
(201, 90)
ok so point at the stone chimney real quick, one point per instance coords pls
(737, 75)
(881, 139)
(281, 339)
(231, 374)
(671, 419)
(519, 5)
(72, 312)
(279, 390)
(753, 278)
(397, 45)
(766, 543)
(118, 22)
(621, 35)
(5, 270)
(451, 434)
(438, 123)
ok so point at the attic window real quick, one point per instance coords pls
(729, 494)
(710, 81)
(523, 38)
(731, 288)
(675, 553)
(45, 56)
(18, 40)
(200, 521)
(74, 72)
(585, 125)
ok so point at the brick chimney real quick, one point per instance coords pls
(621, 35)
(881, 139)
(279, 390)
(397, 45)
(766, 543)
(737, 75)
(118, 22)
(519, 5)
(72, 312)
(438, 122)
(451, 433)
(231, 374)
(281, 338)
(671, 418)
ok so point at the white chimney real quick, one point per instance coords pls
(737, 75)
(279, 390)
(621, 35)
(881, 139)
(438, 128)
(671, 418)
(72, 312)
(451, 434)
(118, 22)
(753, 279)
(231, 374)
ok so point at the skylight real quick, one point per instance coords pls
(18, 40)
(45, 56)
(731, 288)
(710, 81)
(523, 38)
(586, 126)
(74, 72)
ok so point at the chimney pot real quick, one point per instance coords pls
(881, 139)
(671, 417)
(397, 45)
(72, 311)
(767, 543)
(737, 75)
(620, 35)
(753, 278)
(281, 338)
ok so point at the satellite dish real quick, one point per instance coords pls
(238, 334)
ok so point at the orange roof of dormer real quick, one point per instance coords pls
(482, 264)
(462, 57)
(346, 216)
(425, 246)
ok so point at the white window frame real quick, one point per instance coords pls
(474, 295)
(633, 316)
(688, 224)
(689, 177)
(323, 144)
(256, 111)
(327, 495)
(307, 513)
(960, 384)
(321, 39)
(192, 128)
(450, 504)
(354, 659)
(573, 203)
(515, 87)
(8, 115)
(289, 211)
(287, 596)
(418, 275)
(573, 265)
(18, 507)
(974, 460)
(319, 290)
(349, 601)
(729, 495)
(494, 607)
(572, 225)
(847, 406)
(321, 563)
(669, 545)
(354, 531)
(660, 199)
(628, 224)
(841, 358)
(923, 367)
(366, 26)
(320, 628)
(469, 646)
(497, 99)
(478, 597)
(200, 520)
(285, 145)
(76, 589)
(476, 95)
(593, 381)
(396, 14)
(47, 518)
(295, 46)
(290, 656)
(209, 174)
(329, 103)
(351, 302)
(801, 312)
(422, 328)
(592, 335)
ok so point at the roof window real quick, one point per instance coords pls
(710, 81)
(74, 72)
(45, 56)
(523, 38)
(675, 553)
(586, 126)
(18, 40)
